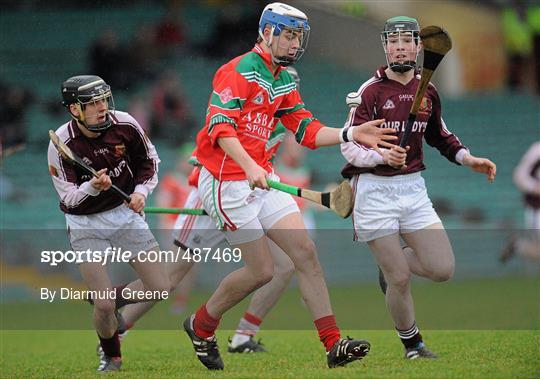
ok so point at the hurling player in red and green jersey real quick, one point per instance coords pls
(251, 93)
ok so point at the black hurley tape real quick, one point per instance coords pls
(325, 199)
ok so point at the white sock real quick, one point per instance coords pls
(245, 330)
(238, 339)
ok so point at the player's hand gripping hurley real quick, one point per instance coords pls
(69, 156)
(436, 43)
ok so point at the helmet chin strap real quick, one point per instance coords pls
(403, 67)
(284, 61)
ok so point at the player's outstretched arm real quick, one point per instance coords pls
(481, 165)
(368, 134)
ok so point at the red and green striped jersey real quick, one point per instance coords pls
(247, 102)
(275, 140)
(272, 146)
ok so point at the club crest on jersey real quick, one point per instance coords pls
(226, 95)
(119, 150)
(259, 98)
(389, 104)
(425, 107)
(53, 171)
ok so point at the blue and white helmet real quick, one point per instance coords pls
(281, 16)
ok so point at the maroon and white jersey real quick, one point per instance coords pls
(382, 97)
(527, 176)
(123, 149)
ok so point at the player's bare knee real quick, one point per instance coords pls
(400, 281)
(442, 274)
(284, 270)
(265, 276)
(306, 257)
(104, 307)
(262, 275)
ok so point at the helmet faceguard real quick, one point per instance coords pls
(400, 32)
(287, 24)
(85, 90)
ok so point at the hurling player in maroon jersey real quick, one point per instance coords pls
(390, 195)
(99, 221)
(527, 180)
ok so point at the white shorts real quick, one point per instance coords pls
(192, 231)
(244, 214)
(532, 219)
(119, 227)
(388, 205)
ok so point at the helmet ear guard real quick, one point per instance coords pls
(85, 89)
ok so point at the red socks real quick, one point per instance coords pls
(252, 319)
(110, 346)
(328, 331)
(204, 324)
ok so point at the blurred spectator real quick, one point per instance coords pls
(171, 118)
(443, 206)
(107, 60)
(169, 33)
(139, 108)
(15, 102)
(533, 20)
(142, 56)
(473, 215)
(236, 21)
(518, 42)
(527, 180)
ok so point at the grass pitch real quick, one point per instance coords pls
(294, 354)
(480, 328)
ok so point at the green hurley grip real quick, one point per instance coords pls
(183, 211)
(284, 187)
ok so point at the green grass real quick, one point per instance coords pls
(480, 304)
(480, 328)
(159, 354)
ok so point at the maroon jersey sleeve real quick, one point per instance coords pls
(437, 135)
